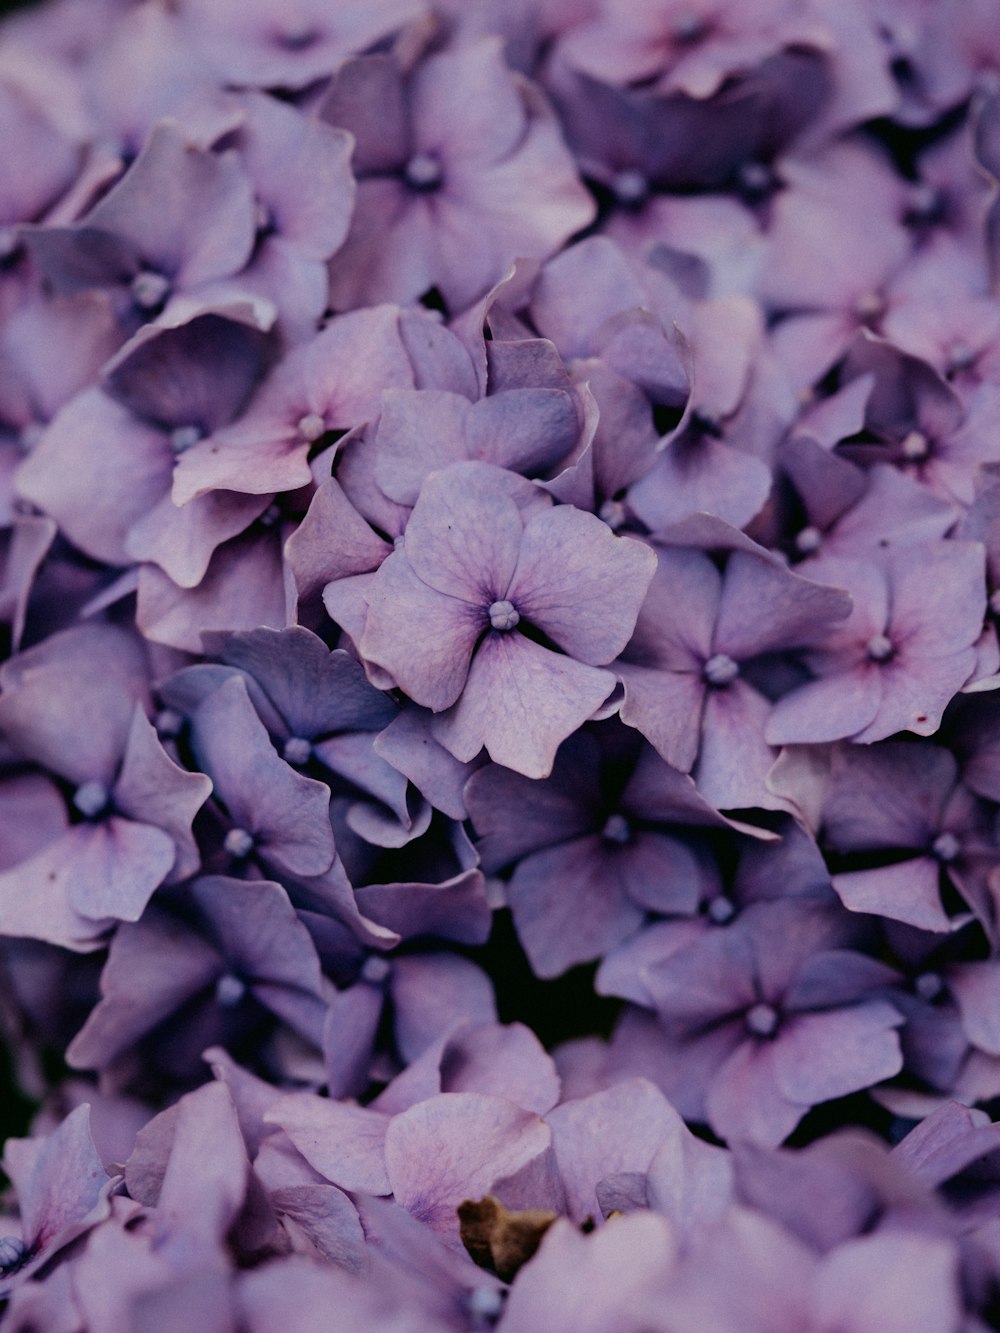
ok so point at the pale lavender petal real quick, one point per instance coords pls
(618, 1130)
(328, 1220)
(823, 1055)
(431, 992)
(569, 907)
(906, 891)
(59, 1179)
(185, 964)
(745, 1101)
(580, 583)
(151, 788)
(464, 535)
(520, 702)
(345, 1143)
(456, 1146)
(422, 637)
(893, 1281)
(615, 1278)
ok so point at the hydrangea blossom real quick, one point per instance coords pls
(499, 572)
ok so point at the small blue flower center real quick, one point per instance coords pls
(915, 446)
(12, 1253)
(946, 847)
(926, 204)
(688, 27)
(168, 724)
(720, 909)
(297, 750)
(720, 670)
(762, 1020)
(149, 289)
(879, 648)
(263, 218)
(239, 843)
(311, 427)
(616, 829)
(484, 1305)
(960, 357)
(630, 187)
(928, 985)
(90, 798)
(183, 438)
(756, 180)
(423, 172)
(808, 540)
(503, 616)
(229, 990)
(613, 513)
(375, 970)
(869, 307)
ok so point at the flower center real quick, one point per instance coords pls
(616, 829)
(688, 27)
(946, 847)
(762, 1020)
(928, 985)
(879, 648)
(925, 205)
(297, 750)
(239, 843)
(375, 970)
(229, 990)
(484, 1305)
(90, 798)
(612, 512)
(503, 616)
(12, 1252)
(756, 180)
(915, 446)
(869, 307)
(423, 172)
(808, 541)
(720, 909)
(960, 357)
(630, 187)
(311, 427)
(263, 218)
(183, 438)
(149, 289)
(168, 724)
(720, 670)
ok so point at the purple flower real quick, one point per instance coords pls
(884, 797)
(902, 654)
(482, 552)
(771, 1016)
(603, 840)
(76, 704)
(683, 669)
(144, 241)
(460, 169)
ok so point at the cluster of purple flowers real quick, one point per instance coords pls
(499, 597)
